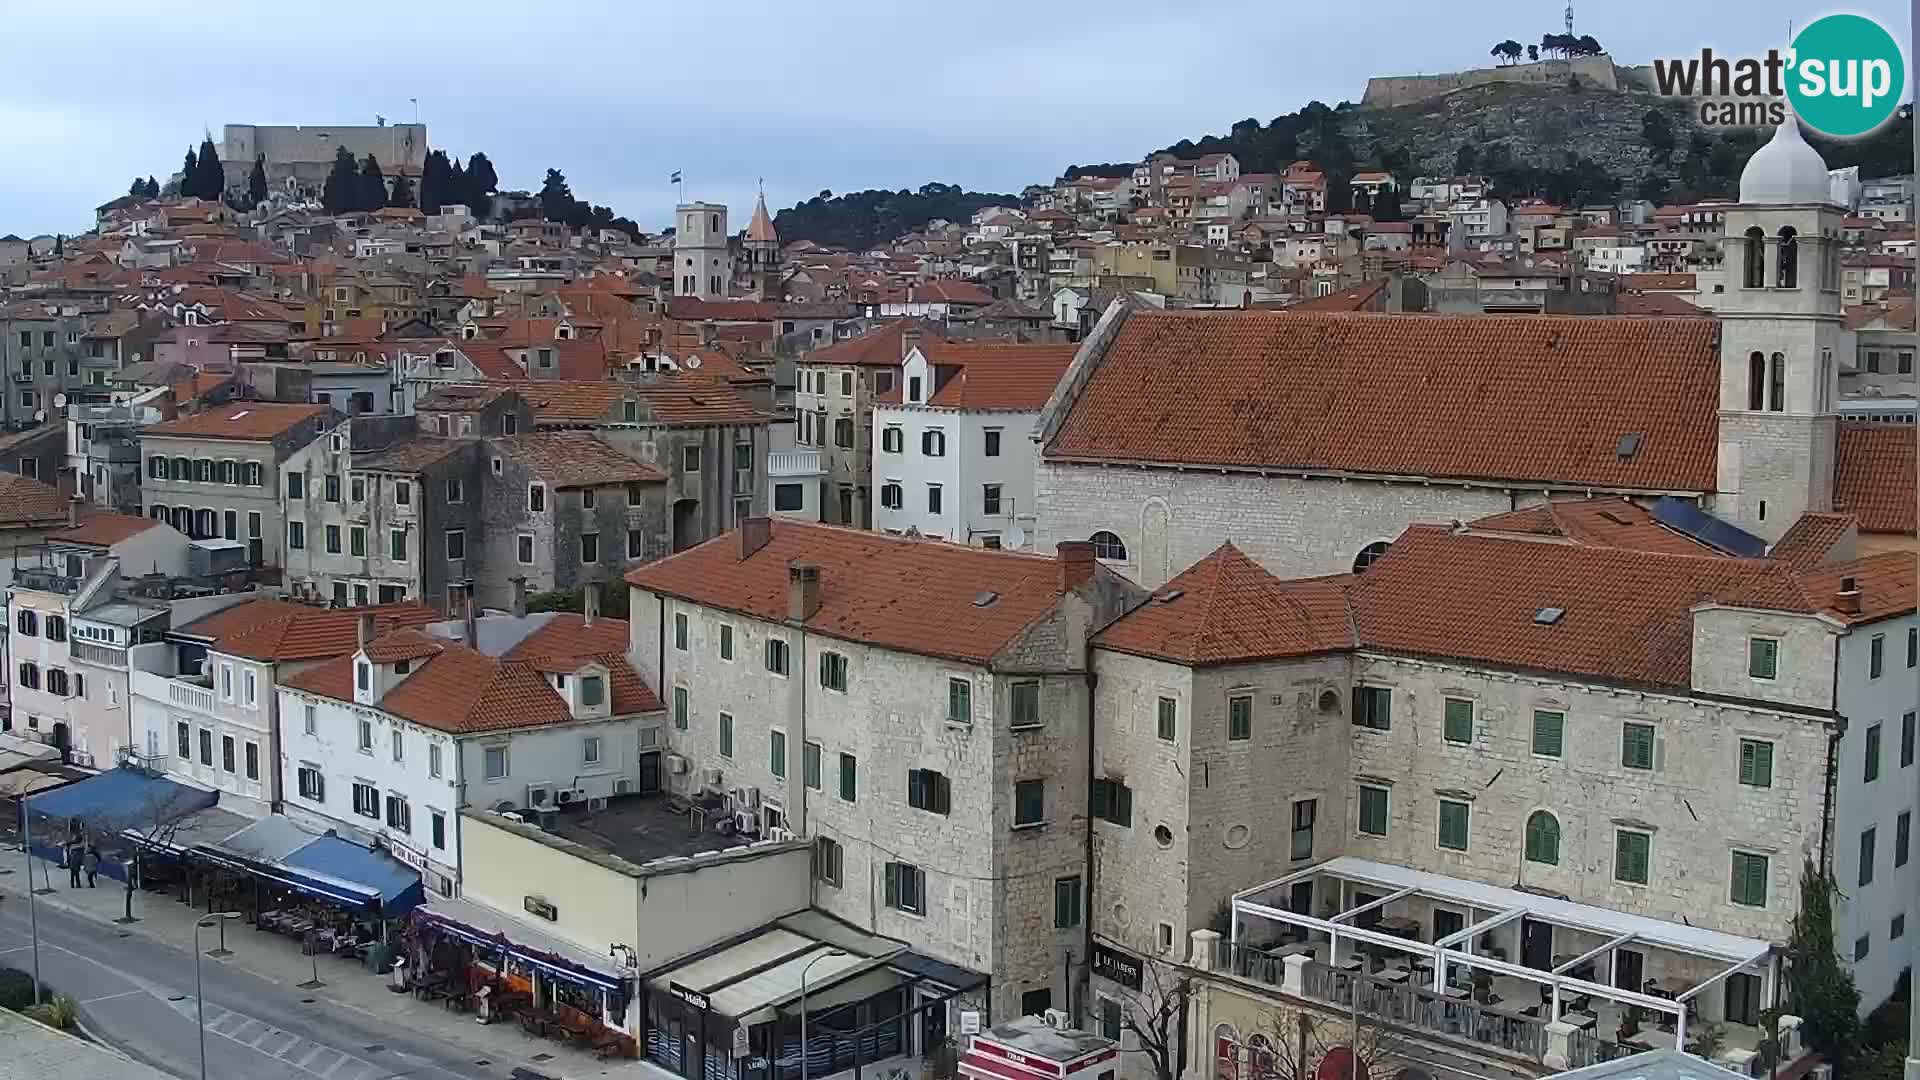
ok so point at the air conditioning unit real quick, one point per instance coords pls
(1057, 1019)
(710, 779)
(779, 835)
(676, 764)
(569, 796)
(753, 798)
(539, 795)
(623, 786)
(597, 803)
(745, 823)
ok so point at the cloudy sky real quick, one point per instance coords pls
(842, 95)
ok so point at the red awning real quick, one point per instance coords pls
(977, 1066)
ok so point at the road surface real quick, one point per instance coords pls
(138, 994)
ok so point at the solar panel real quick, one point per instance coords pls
(1685, 517)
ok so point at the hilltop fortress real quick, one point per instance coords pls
(1389, 91)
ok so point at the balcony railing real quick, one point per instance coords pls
(101, 655)
(794, 463)
(190, 696)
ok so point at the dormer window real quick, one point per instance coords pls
(593, 691)
(363, 676)
(401, 667)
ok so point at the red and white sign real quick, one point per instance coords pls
(989, 1059)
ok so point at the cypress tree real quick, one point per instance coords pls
(213, 176)
(342, 189)
(372, 191)
(257, 182)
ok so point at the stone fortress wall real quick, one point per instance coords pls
(1389, 91)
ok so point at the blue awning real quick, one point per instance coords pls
(336, 869)
(121, 799)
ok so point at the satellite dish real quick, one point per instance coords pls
(59, 401)
(39, 416)
(1017, 538)
(693, 361)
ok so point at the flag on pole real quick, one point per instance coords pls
(675, 178)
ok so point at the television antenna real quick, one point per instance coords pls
(1569, 18)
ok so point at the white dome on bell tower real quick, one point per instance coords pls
(1786, 170)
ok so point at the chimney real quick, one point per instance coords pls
(909, 341)
(519, 583)
(63, 482)
(469, 613)
(755, 532)
(363, 629)
(1076, 563)
(1847, 600)
(803, 591)
(590, 602)
(73, 510)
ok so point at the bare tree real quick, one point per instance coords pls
(150, 825)
(1289, 1043)
(1153, 1017)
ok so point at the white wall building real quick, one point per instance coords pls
(954, 453)
(702, 266)
(506, 713)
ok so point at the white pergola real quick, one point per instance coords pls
(1618, 929)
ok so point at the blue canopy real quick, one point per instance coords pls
(121, 799)
(336, 869)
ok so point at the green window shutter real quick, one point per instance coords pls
(1636, 746)
(1373, 811)
(1457, 726)
(849, 777)
(726, 734)
(1549, 732)
(1543, 838)
(1168, 719)
(1631, 851)
(1101, 798)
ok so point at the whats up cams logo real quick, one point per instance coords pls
(1843, 76)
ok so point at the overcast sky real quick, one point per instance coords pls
(842, 95)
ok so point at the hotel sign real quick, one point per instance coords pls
(1112, 964)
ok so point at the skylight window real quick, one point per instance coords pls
(1549, 616)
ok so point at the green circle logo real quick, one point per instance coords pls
(1846, 76)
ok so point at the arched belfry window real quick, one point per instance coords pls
(1788, 274)
(1756, 382)
(1755, 254)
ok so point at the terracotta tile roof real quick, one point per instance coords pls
(1658, 304)
(1627, 614)
(315, 633)
(462, 691)
(1617, 523)
(412, 455)
(1226, 609)
(577, 459)
(878, 347)
(1873, 477)
(997, 376)
(1885, 581)
(1640, 282)
(692, 307)
(26, 501)
(1807, 543)
(913, 595)
(104, 529)
(248, 421)
(679, 402)
(950, 292)
(242, 616)
(1486, 397)
(1361, 297)
(1894, 314)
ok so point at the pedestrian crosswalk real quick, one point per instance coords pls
(311, 1058)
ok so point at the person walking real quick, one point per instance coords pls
(93, 866)
(73, 864)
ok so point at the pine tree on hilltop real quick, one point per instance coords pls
(433, 182)
(257, 182)
(481, 184)
(190, 175)
(342, 188)
(138, 189)
(153, 188)
(212, 181)
(372, 190)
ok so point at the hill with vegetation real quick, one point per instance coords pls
(865, 219)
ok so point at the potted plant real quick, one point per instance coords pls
(1629, 1024)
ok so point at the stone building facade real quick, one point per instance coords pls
(219, 473)
(891, 750)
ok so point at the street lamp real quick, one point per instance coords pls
(199, 995)
(803, 1005)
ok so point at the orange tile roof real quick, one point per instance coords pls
(313, 633)
(1885, 581)
(1640, 281)
(1627, 614)
(462, 691)
(248, 421)
(103, 529)
(878, 347)
(696, 402)
(577, 459)
(896, 592)
(997, 376)
(26, 501)
(1873, 478)
(1485, 397)
(1361, 297)
(1807, 542)
(1658, 304)
(1226, 609)
(1617, 523)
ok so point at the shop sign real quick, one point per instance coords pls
(691, 996)
(1112, 964)
(541, 906)
(740, 1047)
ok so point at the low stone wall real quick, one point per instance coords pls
(1389, 91)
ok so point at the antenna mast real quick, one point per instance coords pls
(1569, 18)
